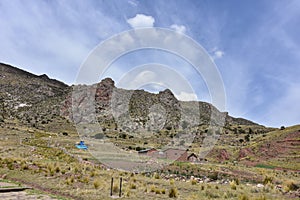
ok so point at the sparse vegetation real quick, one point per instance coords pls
(37, 144)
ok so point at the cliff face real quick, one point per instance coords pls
(129, 110)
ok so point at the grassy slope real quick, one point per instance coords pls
(64, 172)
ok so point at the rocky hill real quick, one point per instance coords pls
(28, 97)
(39, 101)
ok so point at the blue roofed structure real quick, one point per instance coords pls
(81, 145)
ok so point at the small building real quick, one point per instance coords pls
(175, 154)
(148, 152)
(192, 158)
(180, 155)
(81, 145)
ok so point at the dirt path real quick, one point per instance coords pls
(24, 195)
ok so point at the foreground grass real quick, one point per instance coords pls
(46, 166)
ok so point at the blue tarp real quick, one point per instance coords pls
(81, 145)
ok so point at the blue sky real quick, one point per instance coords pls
(254, 44)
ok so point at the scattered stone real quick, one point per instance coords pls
(260, 185)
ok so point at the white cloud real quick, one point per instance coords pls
(184, 96)
(218, 54)
(141, 20)
(179, 28)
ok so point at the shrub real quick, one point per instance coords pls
(122, 135)
(247, 138)
(267, 180)
(157, 191)
(233, 185)
(213, 176)
(85, 180)
(152, 189)
(132, 186)
(57, 169)
(139, 148)
(69, 181)
(290, 186)
(24, 166)
(194, 182)
(156, 176)
(243, 197)
(96, 183)
(93, 173)
(237, 181)
(127, 194)
(10, 166)
(171, 181)
(173, 193)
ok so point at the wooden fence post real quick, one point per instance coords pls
(111, 186)
(120, 192)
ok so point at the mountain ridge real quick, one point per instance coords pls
(16, 82)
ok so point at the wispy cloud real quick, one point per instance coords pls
(55, 37)
(133, 2)
(178, 28)
(32, 37)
